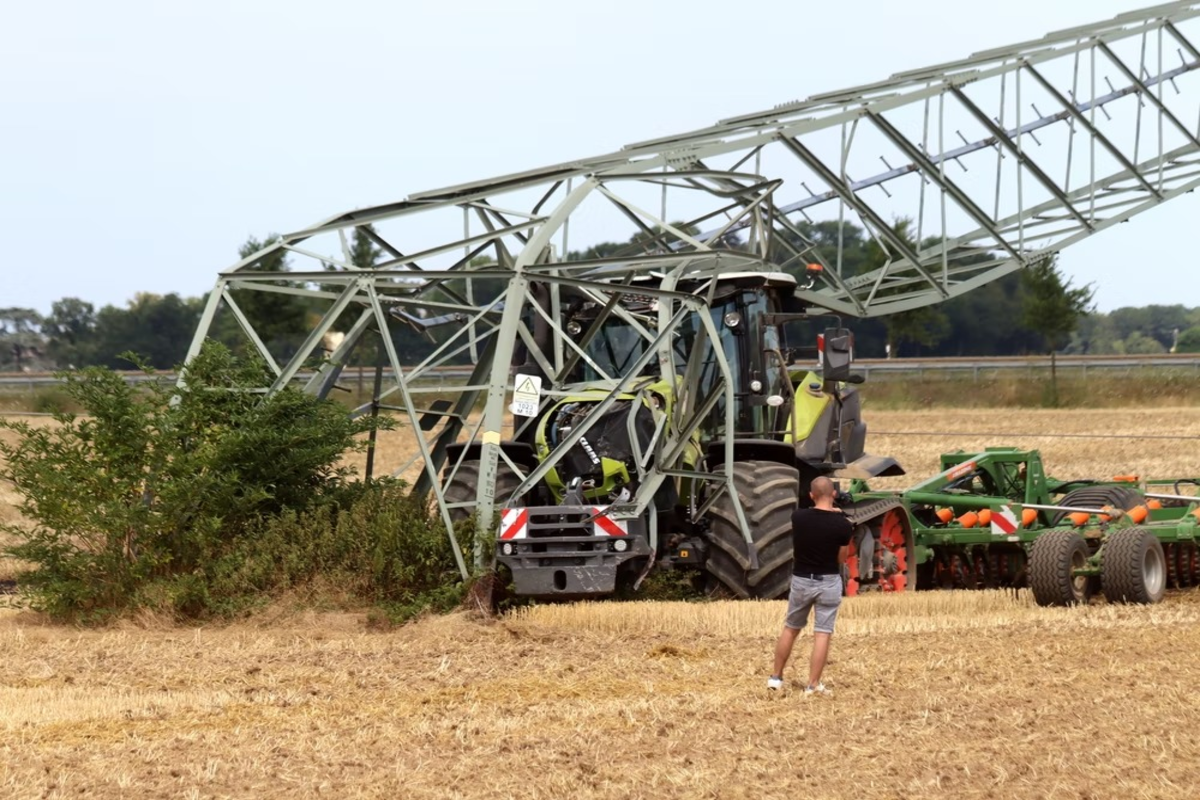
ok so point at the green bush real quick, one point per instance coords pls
(380, 544)
(204, 497)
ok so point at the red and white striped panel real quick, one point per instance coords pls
(1004, 521)
(514, 523)
(604, 525)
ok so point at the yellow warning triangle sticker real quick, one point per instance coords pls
(527, 387)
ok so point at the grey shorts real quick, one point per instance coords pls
(825, 593)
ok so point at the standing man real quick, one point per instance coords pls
(820, 539)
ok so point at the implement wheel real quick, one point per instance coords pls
(1052, 560)
(769, 492)
(1134, 568)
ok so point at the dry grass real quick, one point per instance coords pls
(963, 696)
(1067, 458)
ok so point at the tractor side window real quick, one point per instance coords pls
(774, 377)
(737, 322)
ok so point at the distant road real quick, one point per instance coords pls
(880, 368)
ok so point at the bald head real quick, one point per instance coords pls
(821, 491)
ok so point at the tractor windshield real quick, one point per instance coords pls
(617, 345)
(613, 350)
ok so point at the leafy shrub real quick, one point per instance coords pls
(379, 544)
(154, 496)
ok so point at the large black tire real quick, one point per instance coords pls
(1122, 497)
(768, 492)
(1134, 569)
(1052, 558)
(466, 479)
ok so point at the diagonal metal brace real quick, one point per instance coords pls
(847, 194)
(934, 174)
(1144, 91)
(1003, 138)
(1083, 121)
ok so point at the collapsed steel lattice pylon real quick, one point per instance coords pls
(993, 162)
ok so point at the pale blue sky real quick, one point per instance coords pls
(142, 142)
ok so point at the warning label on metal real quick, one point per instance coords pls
(526, 395)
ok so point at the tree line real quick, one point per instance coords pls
(1033, 311)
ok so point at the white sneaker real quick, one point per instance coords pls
(818, 689)
(774, 683)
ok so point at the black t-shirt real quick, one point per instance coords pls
(817, 536)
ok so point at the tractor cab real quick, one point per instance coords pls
(790, 370)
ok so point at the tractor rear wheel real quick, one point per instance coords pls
(1052, 560)
(1122, 497)
(1134, 568)
(768, 492)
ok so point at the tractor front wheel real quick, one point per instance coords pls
(462, 488)
(768, 492)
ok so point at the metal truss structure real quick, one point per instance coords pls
(962, 173)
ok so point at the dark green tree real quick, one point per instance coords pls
(280, 320)
(1139, 344)
(158, 327)
(1157, 322)
(922, 327)
(70, 332)
(1052, 308)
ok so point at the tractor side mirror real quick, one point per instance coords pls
(836, 349)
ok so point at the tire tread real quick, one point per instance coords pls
(769, 492)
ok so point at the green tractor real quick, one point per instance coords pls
(719, 434)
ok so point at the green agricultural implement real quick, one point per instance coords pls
(995, 519)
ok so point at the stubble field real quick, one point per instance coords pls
(935, 694)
